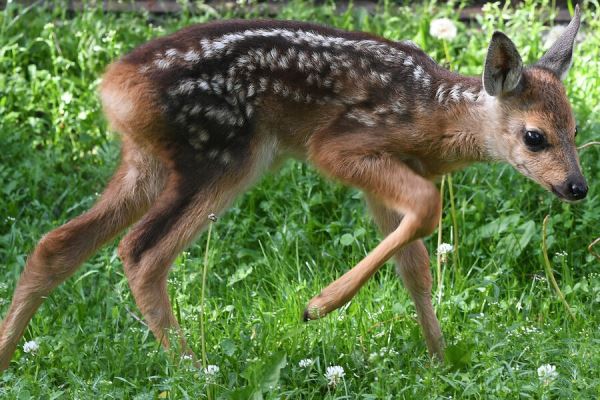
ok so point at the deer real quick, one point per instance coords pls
(204, 112)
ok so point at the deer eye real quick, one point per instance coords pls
(534, 140)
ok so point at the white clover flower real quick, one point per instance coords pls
(442, 28)
(66, 97)
(211, 371)
(334, 374)
(306, 363)
(547, 374)
(387, 352)
(445, 248)
(31, 347)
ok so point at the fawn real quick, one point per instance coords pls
(207, 110)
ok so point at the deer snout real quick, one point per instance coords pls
(575, 188)
(578, 190)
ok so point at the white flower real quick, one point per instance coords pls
(445, 248)
(31, 347)
(373, 357)
(306, 363)
(334, 374)
(211, 371)
(547, 373)
(66, 97)
(442, 28)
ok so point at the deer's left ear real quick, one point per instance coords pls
(503, 66)
(560, 56)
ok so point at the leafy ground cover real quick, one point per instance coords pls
(291, 235)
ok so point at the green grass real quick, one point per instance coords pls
(289, 237)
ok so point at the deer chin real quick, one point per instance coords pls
(548, 186)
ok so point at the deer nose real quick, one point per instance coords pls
(578, 190)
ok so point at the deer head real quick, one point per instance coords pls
(534, 127)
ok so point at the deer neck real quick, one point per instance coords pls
(468, 117)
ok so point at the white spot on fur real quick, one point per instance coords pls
(455, 92)
(229, 83)
(399, 107)
(426, 81)
(225, 157)
(171, 53)
(362, 117)
(439, 94)
(218, 80)
(221, 114)
(203, 85)
(302, 61)
(185, 87)
(251, 90)
(211, 48)
(283, 62)
(196, 109)
(192, 56)
(469, 95)
(203, 136)
(263, 84)
(162, 63)
(381, 109)
(421, 76)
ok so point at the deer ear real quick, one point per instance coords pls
(503, 66)
(559, 57)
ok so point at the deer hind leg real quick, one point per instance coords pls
(178, 216)
(60, 252)
(412, 264)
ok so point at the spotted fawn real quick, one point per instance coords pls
(204, 112)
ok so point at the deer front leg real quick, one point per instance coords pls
(412, 264)
(351, 160)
